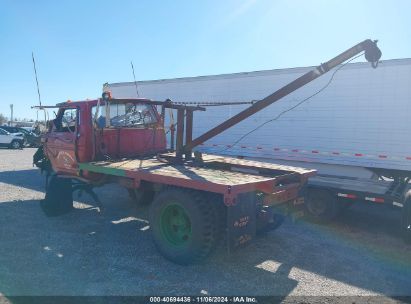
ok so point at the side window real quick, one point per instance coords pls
(2, 132)
(67, 121)
(100, 118)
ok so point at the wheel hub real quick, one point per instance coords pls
(175, 225)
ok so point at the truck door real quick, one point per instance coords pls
(61, 142)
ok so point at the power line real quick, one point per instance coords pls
(134, 75)
(291, 108)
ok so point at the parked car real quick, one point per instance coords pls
(14, 141)
(30, 129)
(30, 139)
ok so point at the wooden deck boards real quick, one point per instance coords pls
(243, 162)
(202, 174)
(154, 166)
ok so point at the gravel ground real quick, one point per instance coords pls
(88, 253)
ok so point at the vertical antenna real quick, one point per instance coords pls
(134, 75)
(35, 73)
(38, 91)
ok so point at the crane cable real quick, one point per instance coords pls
(291, 108)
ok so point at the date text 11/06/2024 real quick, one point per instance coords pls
(203, 299)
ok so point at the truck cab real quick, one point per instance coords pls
(81, 132)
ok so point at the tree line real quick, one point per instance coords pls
(4, 119)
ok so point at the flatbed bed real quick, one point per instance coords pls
(224, 175)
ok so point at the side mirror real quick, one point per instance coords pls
(50, 125)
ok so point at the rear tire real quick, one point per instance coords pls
(406, 219)
(322, 206)
(183, 225)
(59, 197)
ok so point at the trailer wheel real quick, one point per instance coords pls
(183, 225)
(406, 218)
(322, 205)
(59, 197)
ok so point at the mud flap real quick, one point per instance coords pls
(241, 224)
(296, 208)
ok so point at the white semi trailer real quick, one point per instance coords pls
(355, 131)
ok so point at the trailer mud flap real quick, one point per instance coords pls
(241, 224)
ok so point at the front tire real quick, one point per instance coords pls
(16, 144)
(59, 197)
(183, 225)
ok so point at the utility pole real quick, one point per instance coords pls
(11, 115)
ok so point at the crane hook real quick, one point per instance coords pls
(373, 53)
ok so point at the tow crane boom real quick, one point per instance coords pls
(372, 54)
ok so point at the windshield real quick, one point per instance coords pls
(126, 115)
(24, 131)
(4, 131)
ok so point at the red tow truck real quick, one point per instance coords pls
(195, 199)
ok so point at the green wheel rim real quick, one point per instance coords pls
(175, 225)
